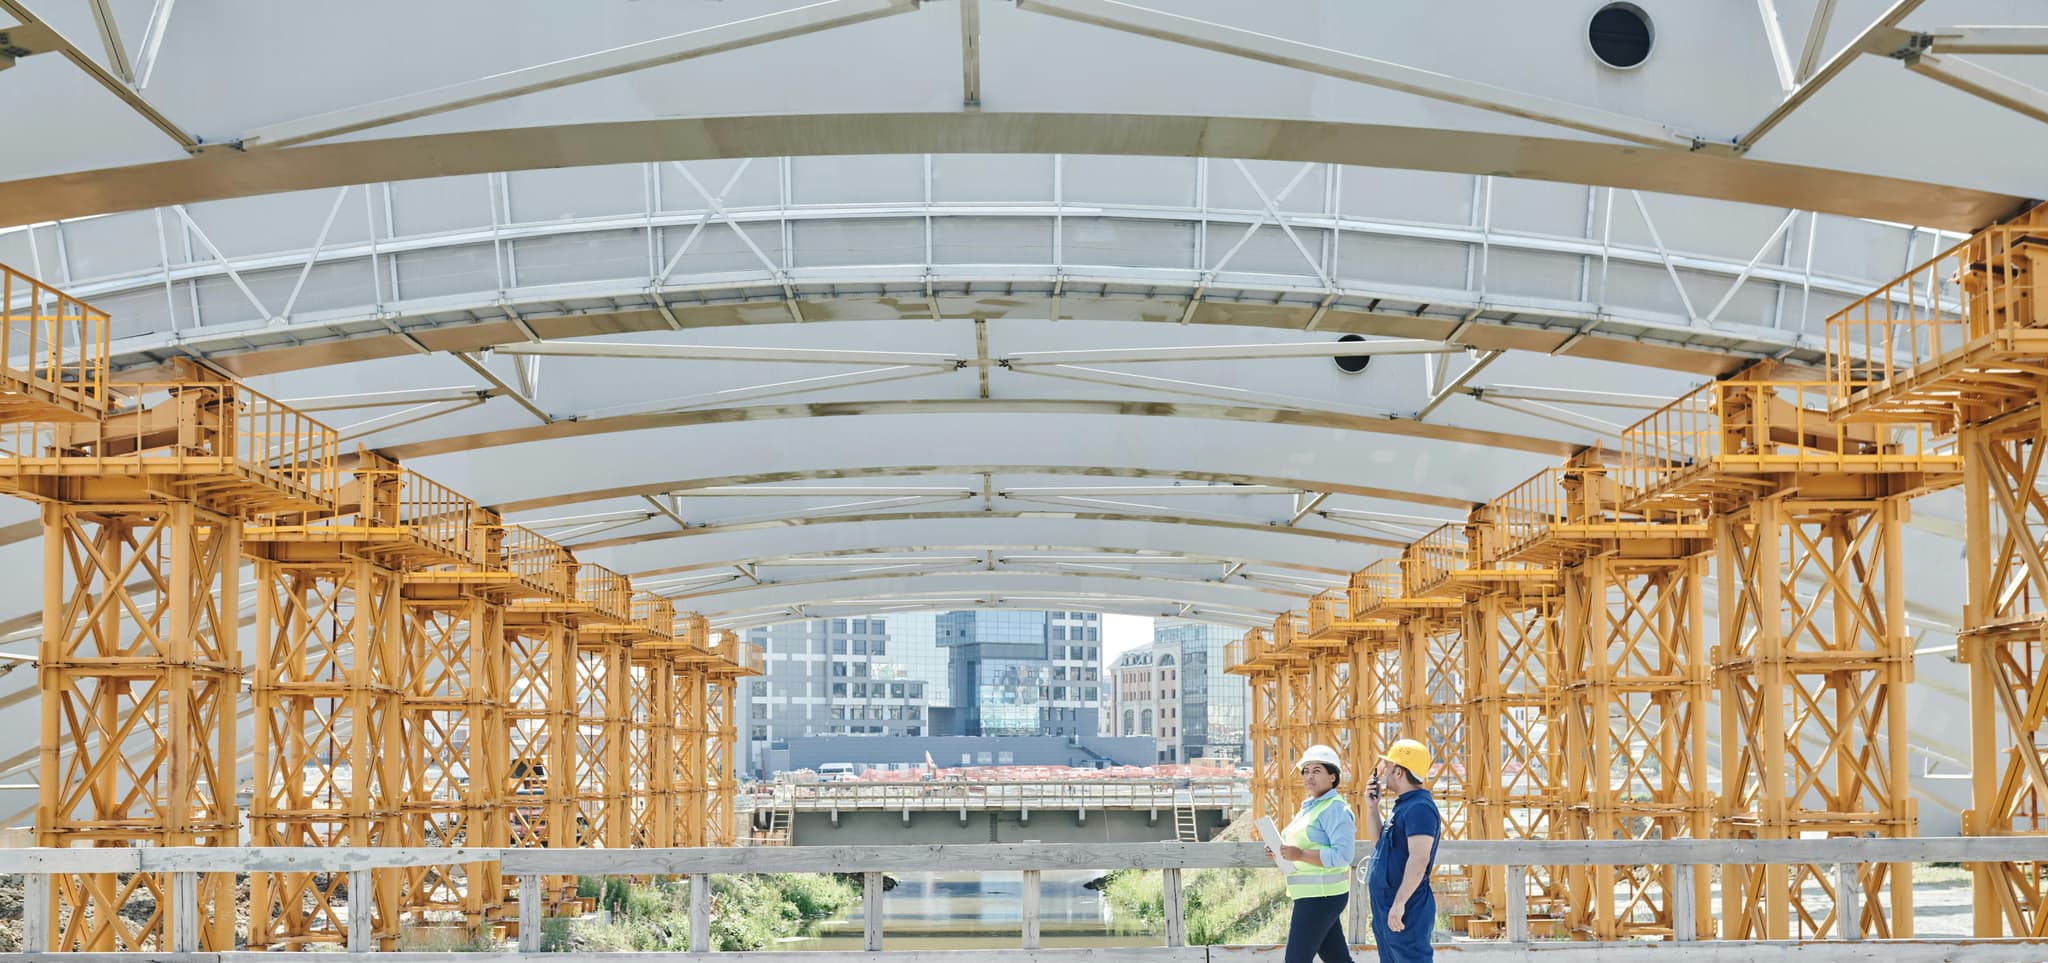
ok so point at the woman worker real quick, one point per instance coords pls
(1319, 841)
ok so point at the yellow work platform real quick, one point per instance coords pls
(1383, 593)
(1730, 442)
(1960, 337)
(1563, 514)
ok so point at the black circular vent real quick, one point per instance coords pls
(1353, 363)
(1620, 35)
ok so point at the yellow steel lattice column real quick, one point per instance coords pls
(139, 643)
(1813, 663)
(455, 780)
(721, 786)
(1516, 753)
(1635, 702)
(329, 661)
(540, 724)
(692, 689)
(659, 738)
(2005, 643)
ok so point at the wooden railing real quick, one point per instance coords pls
(1693, 858)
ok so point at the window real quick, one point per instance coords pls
(758, 710)
(839, 689)
(860, 690)
(860, 626)
(860, 670)
(760, 732)
(839, 670)
(860, 647)
(983, 758)
(838, 625)
(896, 690)
(1059, 634)
(914, 731)
(1006, 758)
(839, 712)
(1130, 722)
(879, 647)
(1145, 722)
(917, 690)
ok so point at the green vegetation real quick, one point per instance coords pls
(1223, 905)
(747, 912)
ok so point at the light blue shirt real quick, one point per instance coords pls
(1333, 828)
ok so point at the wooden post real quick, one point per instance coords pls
(529, 913)
(1176, 924)
(700, 913)
(35, 913)
(1031, 909)
(1518, 904)
(871, 909)
(1848, 901)
(1685, 924)
(1360, 907)
(185, 913)
(361, 895)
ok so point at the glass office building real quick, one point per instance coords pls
(1019, 673)
(1214, 706)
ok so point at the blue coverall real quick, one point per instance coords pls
(1415, 814)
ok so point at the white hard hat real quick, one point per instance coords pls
(1323, 754)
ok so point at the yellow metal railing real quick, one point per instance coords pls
(1376, 585)
(1434, 558)
(1327, 609)
(604, 590)
(1526, 513)
(1988, 284)
(537, 561)
(183, 428)
(52, 341)
(1765, 426)
(403, 499)
(1233, 653)
(655, 612)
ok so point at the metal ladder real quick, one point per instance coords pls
(1184, 818)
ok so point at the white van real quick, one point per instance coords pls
(835, 771)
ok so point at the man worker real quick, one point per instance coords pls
(1397, 874)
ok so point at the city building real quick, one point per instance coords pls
(1017, 673)
(846, 676)
(1174, 690)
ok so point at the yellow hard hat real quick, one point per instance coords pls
(1410, 755)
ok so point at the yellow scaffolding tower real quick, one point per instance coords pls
(1252, 657)
(1630, 676)
(1814, 657)
(1960, 343)
(143, 489)
(1513, 762)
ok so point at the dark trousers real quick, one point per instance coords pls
(1411, 944)
(1317, 929)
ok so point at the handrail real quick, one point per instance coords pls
(61, 349)
(531, 866)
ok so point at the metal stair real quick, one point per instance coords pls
(1184, 818)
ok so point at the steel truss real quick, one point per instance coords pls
(1436, 709)
(2005, 643)
(1798, 671)
(599, 767)
(1516, 757)
(1633, 686)
(540, 722)
(456, 792)
(329, 664)
(140, 650)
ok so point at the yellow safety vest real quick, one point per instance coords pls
(1312, 878)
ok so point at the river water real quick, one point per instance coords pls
(954, 911)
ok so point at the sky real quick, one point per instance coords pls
(1122, 633)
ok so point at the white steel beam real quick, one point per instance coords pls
(152, 41)
(1980, 81)
(1458, 381)
(675, 48)
(507, 390)
(1198, 389)
(1151, 491)
(1158, 24)
(110, 37)
(1816, 39)
(1231, 352)
(384, 399)
(1989, 40)
(826, 491)
(970, 54)
(1882, 36)
(1774, 39)
(100, 75)
(708, 352)
(1570, 396)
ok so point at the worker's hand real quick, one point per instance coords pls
(1295, 853)
(1394, 920)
